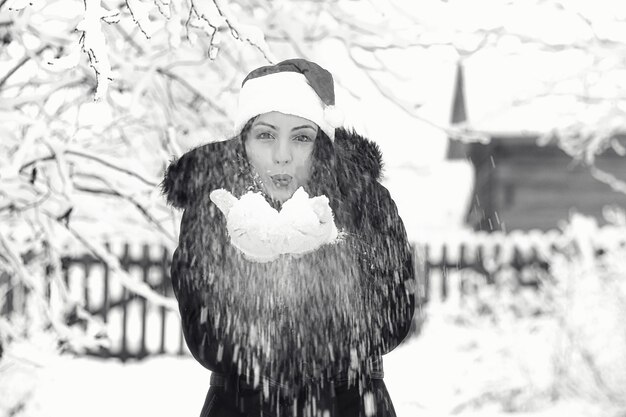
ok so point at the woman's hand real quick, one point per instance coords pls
(251, 223)
(262, 234)
(308, 223)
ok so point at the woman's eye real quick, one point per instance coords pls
(303, 138)
(264, 135)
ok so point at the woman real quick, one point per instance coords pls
(290, 332)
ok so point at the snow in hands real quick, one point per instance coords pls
(262, 233)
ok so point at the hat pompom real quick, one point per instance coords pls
(333, 116)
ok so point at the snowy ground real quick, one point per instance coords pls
(449, 369)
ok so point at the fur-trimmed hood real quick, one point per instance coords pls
(215, 165)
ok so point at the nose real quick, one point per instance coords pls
(282, 152)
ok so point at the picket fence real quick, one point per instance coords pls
(444, 273)
(136, 328)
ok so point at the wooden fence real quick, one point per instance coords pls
(437, 271)
(136, 321)
(137, 328)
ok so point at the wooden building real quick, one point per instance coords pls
(521, 185)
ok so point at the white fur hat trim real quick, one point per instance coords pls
(285, 92)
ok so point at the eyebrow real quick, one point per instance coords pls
(303, 127)
(265, 124)
(295, 128)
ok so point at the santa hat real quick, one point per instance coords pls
(295, 86)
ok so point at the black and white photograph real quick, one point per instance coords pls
(312, 208)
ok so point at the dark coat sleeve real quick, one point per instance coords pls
(369, 277)
(196, 289)
(187, 184)
(377, 240)
(388, 268)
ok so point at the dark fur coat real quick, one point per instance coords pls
(292, 325)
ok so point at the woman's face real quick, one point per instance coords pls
(279, 148)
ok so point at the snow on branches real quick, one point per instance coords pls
(93, 43)
(141, 15)
(214, 15)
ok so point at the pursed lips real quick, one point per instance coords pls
(281, 180)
